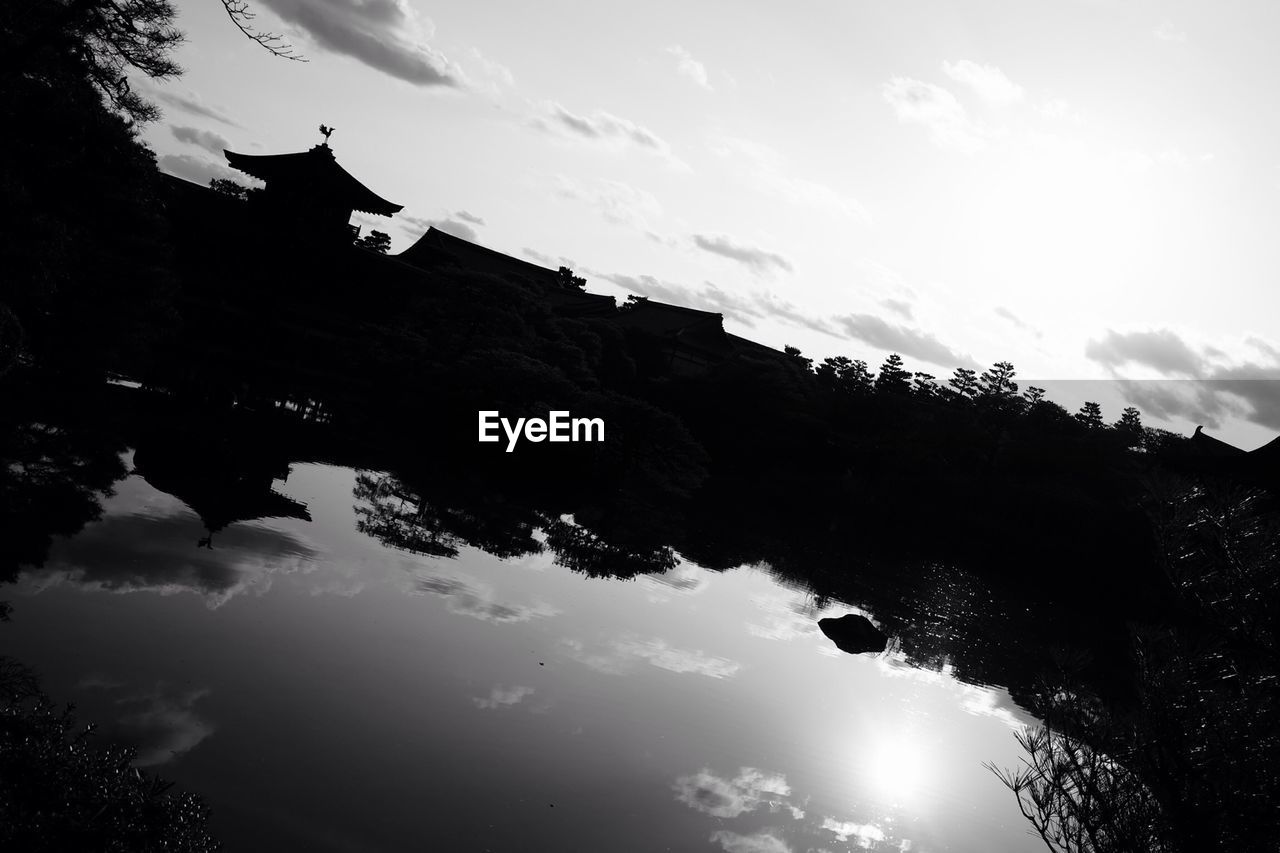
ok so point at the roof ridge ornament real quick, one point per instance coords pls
(326, 132)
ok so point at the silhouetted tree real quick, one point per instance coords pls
(375, 241)
(568, 281)
(893, 379)
(1090, 415)
(1130, 426)
(964, 383)
(798, 358)
(1033, 395)
(998, 381)
(102, 39)
(228, 187)
(924, 385)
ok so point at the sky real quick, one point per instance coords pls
(1085, 188)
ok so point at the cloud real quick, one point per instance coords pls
(759, 261)
(1209, 393)
(746, 309)
(866, 833)
(1056, 109)
(454, 227)
(498, 74)
(617, 202)
(1017, 321)
(1161, 350)
(210, 141)
(477, 601)
(898, 306)
(761, 842)
(386, 35)
(623, 653)
(158, 724)
(769, 172)
(503, 697)
(937, 110)
(201, 170)
(187, 101)
(663, 656)
(548, 261)
(727, 798)
(988, 82)
(470, 217)
(684, 578)
(910, 342)
(785, 618)
(690, 67)
(1167, 32)
(142, 553)
(600, 127)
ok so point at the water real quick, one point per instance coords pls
(326, 692)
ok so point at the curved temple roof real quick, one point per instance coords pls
(317, 173)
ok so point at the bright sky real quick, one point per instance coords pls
(1086, 188)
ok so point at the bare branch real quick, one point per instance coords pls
(274, 43)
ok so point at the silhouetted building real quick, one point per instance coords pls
(437, 249)
(1206, 445)
(689, 341)
(309, 194)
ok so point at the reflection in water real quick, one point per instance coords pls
(749, 790)
(472, 598)
(627, 704)
(160, 723)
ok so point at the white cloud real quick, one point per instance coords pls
(471, 598)
(625, 652)
(759, 261)
(726, 798)
(769, 172)
(988, 82)
(761, 842)
(617, 202)
(503, 697)
(663, 656)
(866, 833)
(937, 110)
(600, 127)
(690, 67)
(214, 143)
(1167, 32)
(387, 35)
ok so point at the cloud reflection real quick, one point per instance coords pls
(160, 724)
(503, 697)
(623, 652)
(726, 798)
(467, 597)
(145, 553)
(761, 842)
(865, 833)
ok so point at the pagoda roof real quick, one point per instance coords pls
(318, 173)
(436, 247)
(663, 318)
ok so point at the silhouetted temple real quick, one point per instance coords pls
(437, 249)
(298, 228)
(310, 192)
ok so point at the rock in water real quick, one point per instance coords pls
(854, 634)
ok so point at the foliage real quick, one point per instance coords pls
(1192, 764)
(375, 241)
(62, 790)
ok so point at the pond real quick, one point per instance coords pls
(324, 691)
